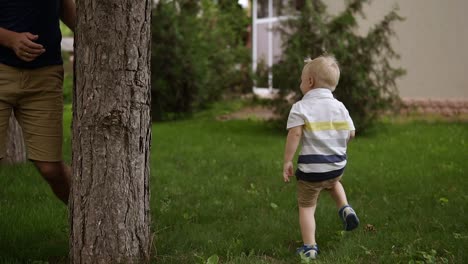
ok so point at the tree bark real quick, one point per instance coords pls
(15, 149)
(109, 202)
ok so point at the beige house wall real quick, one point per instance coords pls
(432, 42)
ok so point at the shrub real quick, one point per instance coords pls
(198, 54)
(367, 83)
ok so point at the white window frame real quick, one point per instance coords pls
(270, 19)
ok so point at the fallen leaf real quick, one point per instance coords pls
(370, 228)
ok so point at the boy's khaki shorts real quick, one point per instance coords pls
(308, 192)
(36, 98)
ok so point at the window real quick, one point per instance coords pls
(262, 8)
(280, 7)
(287, 7)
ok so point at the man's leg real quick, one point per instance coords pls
(5, 112)
(58, 175)
(39, 111)
(9, 86)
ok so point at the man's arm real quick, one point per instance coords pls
(68, 14)
(292, 141)
(5, 37)
(21, 43)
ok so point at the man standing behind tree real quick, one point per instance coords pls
(31, 78)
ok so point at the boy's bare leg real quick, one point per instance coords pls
(346, 213)
(307, 222)
(58, 176)
(338, 194)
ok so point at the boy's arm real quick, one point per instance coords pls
(292, 141)
(21, 43)
(352, 134)
(68, 14)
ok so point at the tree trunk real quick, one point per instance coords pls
(109, 202)
(15, 149)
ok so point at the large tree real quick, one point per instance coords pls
(109, 202)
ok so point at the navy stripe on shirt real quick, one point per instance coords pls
(313, 158)
(318, 176)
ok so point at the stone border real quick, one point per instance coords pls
(444, 107)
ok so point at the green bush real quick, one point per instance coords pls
(198, 54)
(367, 83)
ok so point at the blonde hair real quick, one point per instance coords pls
(324, 70)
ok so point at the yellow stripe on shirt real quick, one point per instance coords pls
(319, 126)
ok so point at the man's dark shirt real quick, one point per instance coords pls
(39, 17)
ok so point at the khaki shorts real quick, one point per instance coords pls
(36, 98)
(308, 192)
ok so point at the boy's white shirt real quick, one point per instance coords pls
(327, 125)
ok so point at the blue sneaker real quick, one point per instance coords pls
(349, 218)
(308, 251)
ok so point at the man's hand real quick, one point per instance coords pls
(24, 46)
(287, 171)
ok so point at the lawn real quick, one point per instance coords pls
(217, 191)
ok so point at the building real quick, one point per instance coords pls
(432, 43)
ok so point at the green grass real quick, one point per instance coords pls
(216, 189)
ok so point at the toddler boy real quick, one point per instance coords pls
(323, 126)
